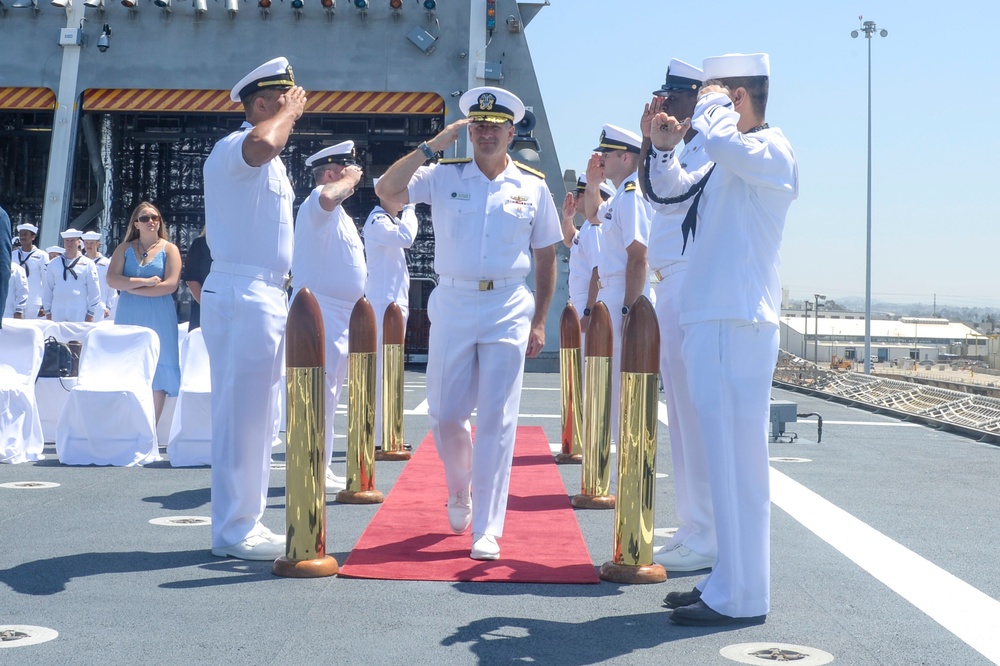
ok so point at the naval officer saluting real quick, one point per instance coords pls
(248, 208)
(490, 214)
(329, 260)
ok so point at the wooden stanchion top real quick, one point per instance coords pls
(599, 333)
(393, 326)
(641, 339)
(305, 345)
(569, 328)
(362, 337)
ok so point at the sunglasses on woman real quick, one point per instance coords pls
(149, 218)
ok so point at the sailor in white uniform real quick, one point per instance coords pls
(17, 293)
(584, 246)
(32, 259)
(670, 245)
(72, 291)
(109, 296)
(248, 208)
(490, 216)
(389, 232)
(621, 265)
(329, 260)
(729, 305)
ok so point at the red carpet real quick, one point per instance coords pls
(409, 538)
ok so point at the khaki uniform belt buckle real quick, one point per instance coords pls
(485, 285)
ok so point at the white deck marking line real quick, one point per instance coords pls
(420, 410)
(891, 424)
(960, 608)
(661, 412)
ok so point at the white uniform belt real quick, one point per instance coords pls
(670, 269)
(610, 281)
(479, 285)
(255, 272)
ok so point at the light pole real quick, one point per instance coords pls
(868, 28)
(805, 335)
(816, 326)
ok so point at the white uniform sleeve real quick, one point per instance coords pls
(420, 186)
(93, 290)
(19, 289)
(546, 229)
(384, 229)
(634, 214)
(233, 162)
(49, 287)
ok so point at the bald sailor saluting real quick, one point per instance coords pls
(72, 291)
(248, 208)
(329, 260)
(490, 216)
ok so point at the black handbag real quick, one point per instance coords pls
(57, 360)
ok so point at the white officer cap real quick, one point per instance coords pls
(27, 227)
(736, 64)
(58, 249)
(616, 138)
(275, 73)
(71, 233)
(342, 153)
(680, 76)
(492, 105)
(91, 235)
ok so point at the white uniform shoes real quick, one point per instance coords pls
(254, 547)
(682, 558)
(484, 547)
(460, 511)
(334, 483)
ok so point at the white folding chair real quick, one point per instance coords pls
(190, 441)
(108, 419)
(21, 349)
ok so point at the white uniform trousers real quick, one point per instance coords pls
(693, 495)
(336, 322)
(244, 323)
(69, 309)
(476, 360)
(730, 366)
(379, 308)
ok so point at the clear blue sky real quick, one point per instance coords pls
(936, 133)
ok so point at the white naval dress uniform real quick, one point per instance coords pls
(729, 310)
(109, 296)
(329, 259)
(582, 261)
(386, 242)
(480, 316)
(17, 292)
(71, 289)
(33, 264)
(626, 219)
(243, 312)
(668, 260)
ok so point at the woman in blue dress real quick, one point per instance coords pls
(146, 269)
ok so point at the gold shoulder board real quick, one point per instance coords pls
(528, 169)
(630, 186)
(456, 160)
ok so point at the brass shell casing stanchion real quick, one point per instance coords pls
(595, 483)
(393, 336)
(570, 383)
(361, 343)
(305, 476)
(633, 551)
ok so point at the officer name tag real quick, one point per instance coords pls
(464, 196)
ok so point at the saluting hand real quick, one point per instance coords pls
(448, 135)
(654, 107)
(352, 174)
(595, 169)
(569, 206)
(293, 101)
(666, 131)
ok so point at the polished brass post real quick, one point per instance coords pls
(361, 344)
(632, 561)
(305, 468)
(393, 336)
(595, 485)
(571, 385)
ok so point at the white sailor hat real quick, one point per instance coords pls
(680, 76)
(275, 73)
(616, 138)
(71, 233)
(736, 64)
(492, 105)
(57, 249)
(342, 153)
(91, 235)
(27, 227)
(606, 190)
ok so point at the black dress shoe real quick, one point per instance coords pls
(700, 615)
(679, 599)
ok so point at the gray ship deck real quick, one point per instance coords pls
(882, 553)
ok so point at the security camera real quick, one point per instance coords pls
(456, 93)
(104, 41)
